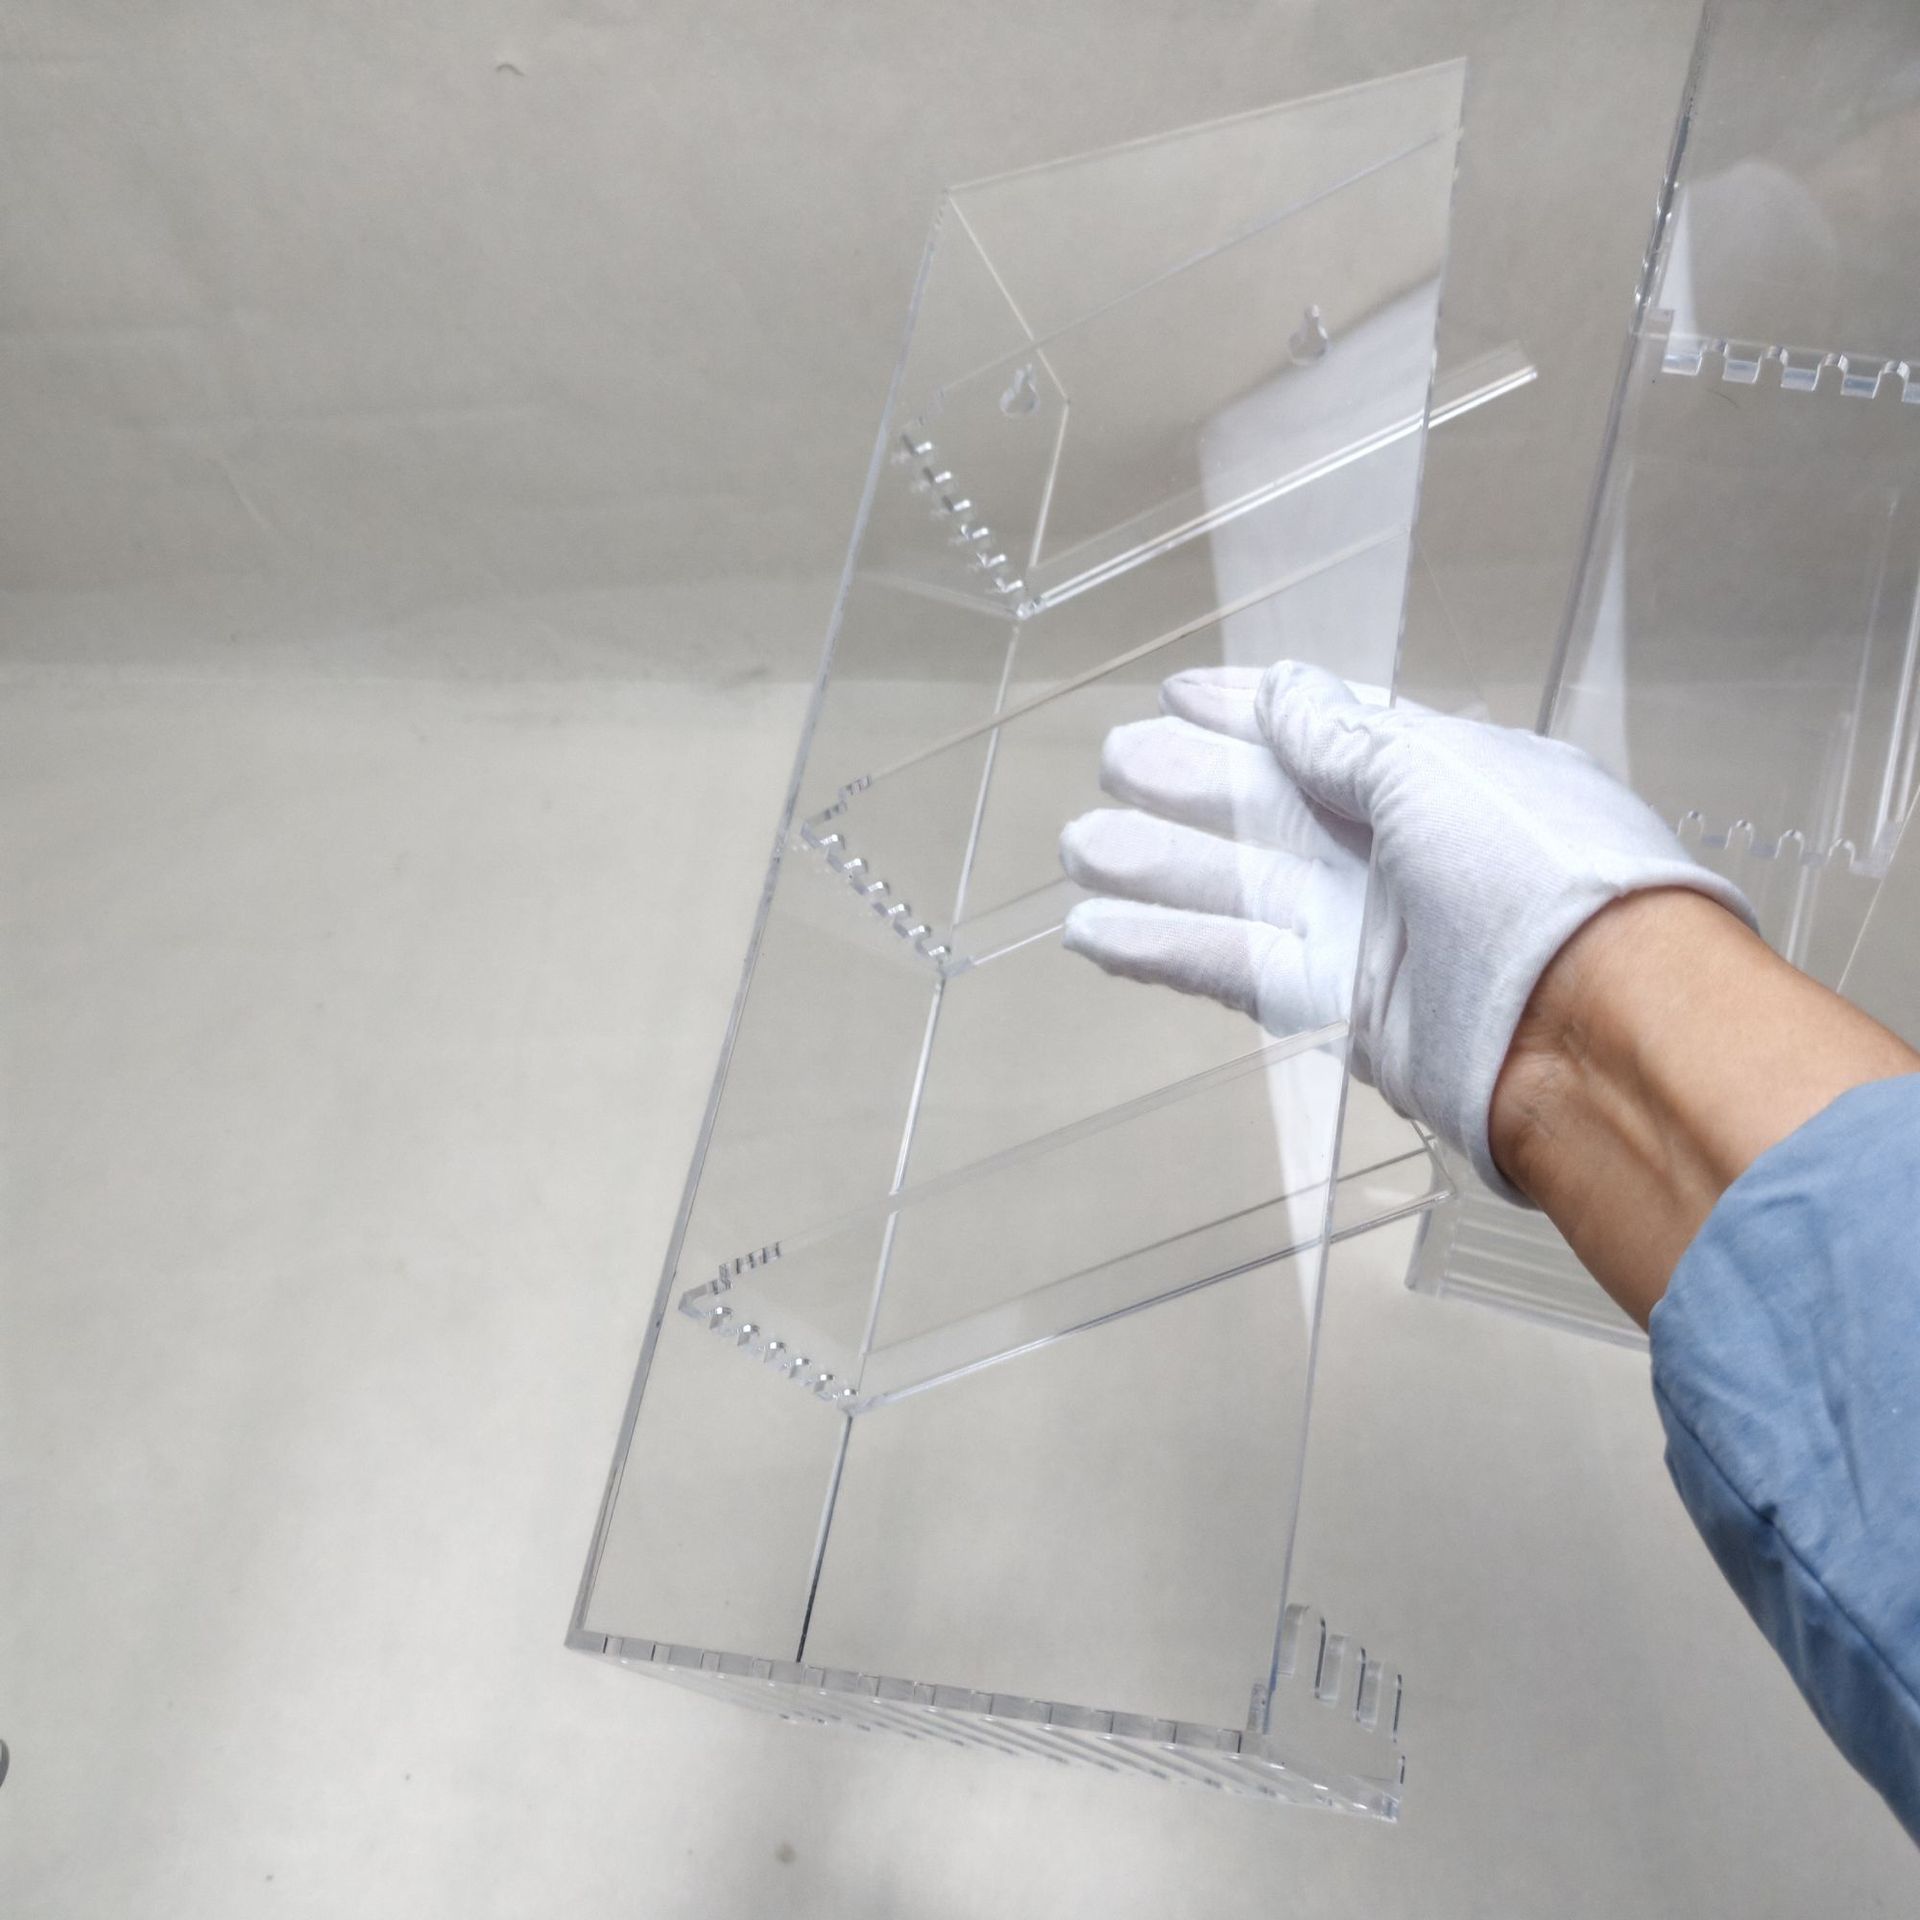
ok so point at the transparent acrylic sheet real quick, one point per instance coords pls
(1743, 641)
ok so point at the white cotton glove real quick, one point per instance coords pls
(1239, 871)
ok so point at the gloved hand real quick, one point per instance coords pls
(1239, 871)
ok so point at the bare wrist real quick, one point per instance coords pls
(1663, 1050)
(1591, 1116)
(1580, 1024)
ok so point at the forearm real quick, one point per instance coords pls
(1664, 1050)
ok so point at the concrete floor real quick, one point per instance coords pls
(355, 1035)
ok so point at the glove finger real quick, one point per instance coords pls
(1252, 968)
(1223, 786)
(1326, 740)
(1139, 857)
(1202, 953)
(1227, 699)
(1221, 699)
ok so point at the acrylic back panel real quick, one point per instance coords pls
(1744, 637)
(1159, 409)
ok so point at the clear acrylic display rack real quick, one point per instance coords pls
(1743, 639)
(1160, 407)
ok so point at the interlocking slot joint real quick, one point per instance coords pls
(952, 507)
(1743, 840)
(1743, 363)
(832, 847)
(705, 1305)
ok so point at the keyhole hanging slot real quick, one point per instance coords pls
(1022, 395)
(1310, 339)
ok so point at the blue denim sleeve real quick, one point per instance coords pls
(1786, 1366)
